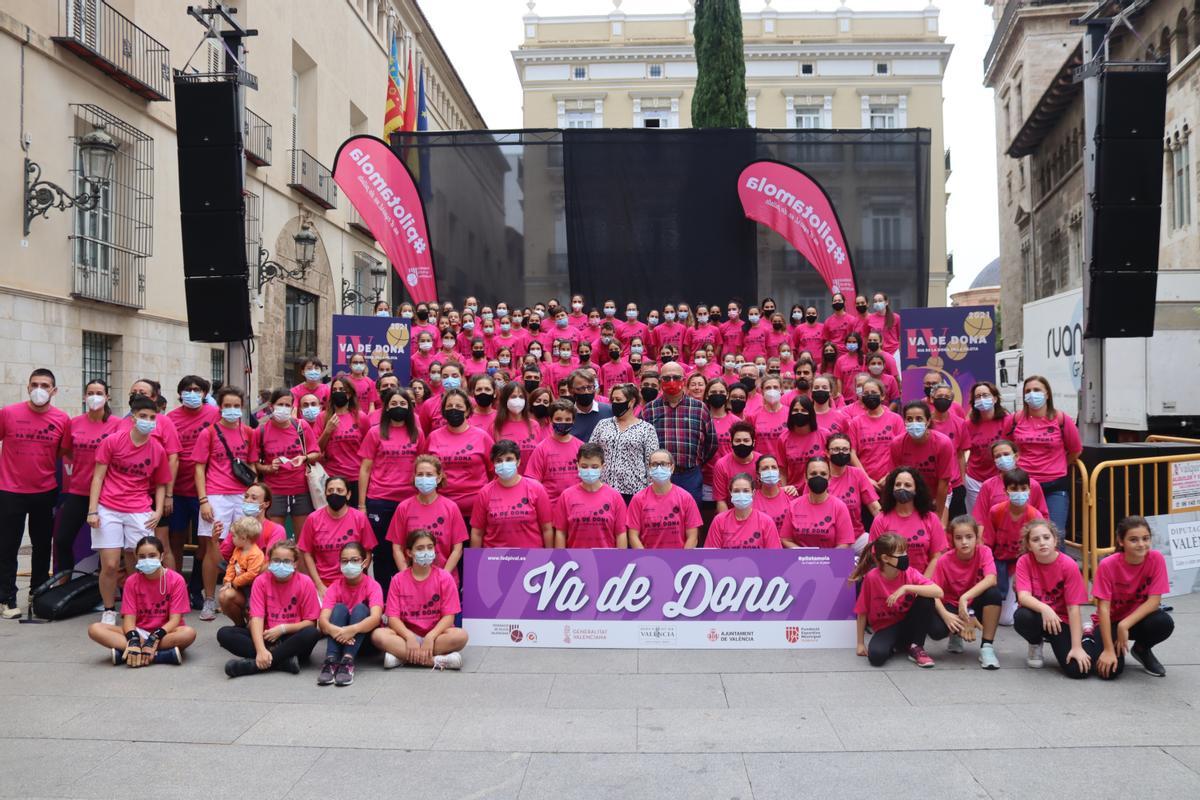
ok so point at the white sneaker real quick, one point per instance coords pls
(1033, 659)
(390, 661)
(9, 612)
(448, 661)
(209, 612)
(109, 617)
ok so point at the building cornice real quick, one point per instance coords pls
(617, 53)
(684, 16)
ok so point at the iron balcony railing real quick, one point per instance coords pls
(109, 41)
(258, 139)
(313, 179)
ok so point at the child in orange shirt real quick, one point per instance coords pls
(247, 560)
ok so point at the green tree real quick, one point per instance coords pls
(720, 98)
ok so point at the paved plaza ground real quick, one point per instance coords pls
(595, 724)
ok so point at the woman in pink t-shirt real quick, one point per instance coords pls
(327, 529)
(839, 324)
(1049, 443)
(341, 430)
(877, 368)
(829, 419)
(463, 450)
(907, 509)
(985, 424)
(771, 420)
(83, 438)
(772, 497)
(802, 442)
(970, 599)
(852, 362)
(421, 604)
(432, 512)
(364, 385)
(513, 510)
(929, 452)
(742, 527)
(153, 604)
(897, 601)
(1128, 588)
(884, 321)
(850, 484)
(716, 397)
(351, 610)
(816, 518)
(286, 448)
(1050, 591)
(514, 420)
(954, 428)
(482, 389)
(873, 431)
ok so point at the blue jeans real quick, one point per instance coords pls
(690, 480)
(1059, 506)
(342, 617)
(1004, 574)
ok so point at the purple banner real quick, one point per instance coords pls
(663, 598)
(375, 337)
(959, 343)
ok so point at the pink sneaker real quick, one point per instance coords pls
(918, 656)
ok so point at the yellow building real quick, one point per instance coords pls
(101, 292)
(804, 69)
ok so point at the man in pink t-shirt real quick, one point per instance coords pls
(31, 434)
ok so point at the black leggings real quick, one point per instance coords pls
(1028, 623)
(383, 563)
(68, 520)
(937, 625)
(300, 644)
(1156, 628)
(14, 508)
(957, 501)
(910, 630)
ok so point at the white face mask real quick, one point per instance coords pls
(95, 402)
(39, 396)
(281, 413)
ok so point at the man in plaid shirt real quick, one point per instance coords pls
(685, 429)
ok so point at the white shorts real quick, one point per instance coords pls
(120, 529)
(226, 508)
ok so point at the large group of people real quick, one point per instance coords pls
(565, 426)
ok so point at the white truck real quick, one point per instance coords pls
(1151, 385)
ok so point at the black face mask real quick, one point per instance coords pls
(668, 359)
(649, 393)
(777, 326)
(531, 384)
(928, 390)
(336, 501)
(838, 306)
(585, 358)
(798, 420)
(871, 401)
(584, 399)
(817, 484)
(540, 411)
(619, 407)
(484, 400)
(535, 326)
(743, 450)
(737, 405)
(477, 354)
(802, 384)
(810, 319)
(398, 414)
(861, 309)
(901, 562)
(830, 357)
(614, 354)
(339, 399)
(942, 404)
(133, 397)
(563, 428)
(873, 346)
(748, 384)
(422, 315)
(904, 495)
(840, 459)
(636, 366)
(820, 396)
(717, 400)
(454, 417)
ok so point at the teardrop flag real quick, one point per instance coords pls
(382, 190)
(788, 201)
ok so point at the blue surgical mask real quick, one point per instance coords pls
(425, 483)
(741, 499)
(753, 318)
(424, 558)
(191, 399)
(351, 569)
(282, 569)
(231, 414)
(915, 429)
(383, 313)
(145, 426)
(589, 474)
(669, 316)
(312, 374)
(1035, 399)
(502, 312)
(311, 413)
(561, 322)
(636, 349)
(879, 307)
(250, 509)
(449, 383)
(660, 474)
(1005, 463)
(1018, 499)
(406, 315)
(506, 469)
(469, 326)
(852, 347)
(985, 404)
(769, 476)
(148, 566)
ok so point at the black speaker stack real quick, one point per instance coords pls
(1127, 200)
(213, 209)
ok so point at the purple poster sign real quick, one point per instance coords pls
(659, 598)
(959, 343)
(375, 337)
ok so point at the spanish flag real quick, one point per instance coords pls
(393, 113)
(410, 101)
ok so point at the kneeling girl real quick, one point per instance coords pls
(896, 599)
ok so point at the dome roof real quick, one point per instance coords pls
(988, 276)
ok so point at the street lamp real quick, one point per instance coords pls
(352, 297)
(97, 152)
(269, 270)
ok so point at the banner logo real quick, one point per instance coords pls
(792, 634)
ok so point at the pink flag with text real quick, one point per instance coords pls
(795, 206)
(381, 188)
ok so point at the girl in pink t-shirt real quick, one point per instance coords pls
(802, 441)
(772, 497)
(432, 512)
(716, 397)
(286, 448)
(341, 430)
(153, 604)
(463, 450)
(83, 438)
(514, 510)
(897, 601)
(590, 513)
(553, 461)
(985, 422)
(742, 527)
(663, 516)
(1050, 591)
(514, 420)
(421, 604)
(927, 451)
(970, 599)
(873, 431)
(816, 518)
(1128, 588)
(351, 610)
(1049, 443)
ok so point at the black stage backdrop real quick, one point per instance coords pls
(653, 215)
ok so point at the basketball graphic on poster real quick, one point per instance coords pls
(957, 350)
(978, 325)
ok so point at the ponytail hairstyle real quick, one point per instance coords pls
(886, 545)
(1125, 526)
(104, 385)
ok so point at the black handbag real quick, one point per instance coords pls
(79, 595)
(241, 470)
